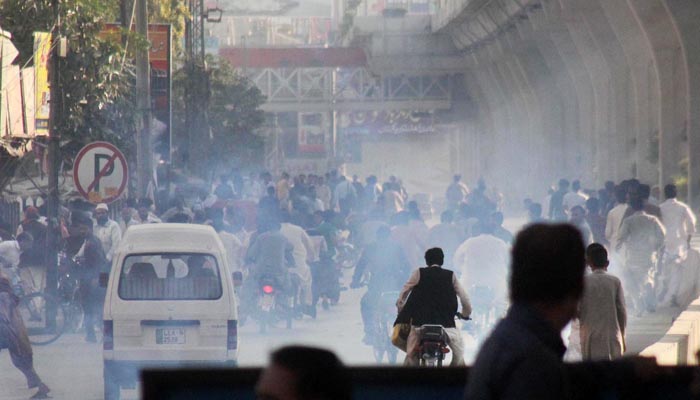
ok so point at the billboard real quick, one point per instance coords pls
(42, 94)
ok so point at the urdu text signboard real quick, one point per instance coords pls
(100, 172)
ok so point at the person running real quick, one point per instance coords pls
(13, 337)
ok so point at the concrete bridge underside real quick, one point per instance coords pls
(591, 89)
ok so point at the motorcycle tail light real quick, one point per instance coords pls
(268, 289)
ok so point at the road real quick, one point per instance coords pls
(73, 368)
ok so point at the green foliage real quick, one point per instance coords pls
(233, 110)
(95, 80)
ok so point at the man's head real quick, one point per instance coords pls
(563, 184)
(644, 191)
(101, 213)
(593, 205)
(25, 241)
(80, 224)
(548, 262)
(597, 256)
(576, 185)
(434, 256)
(126, 213)
(497, 219)
(31, 213)
(636, 203)
(446, 217)
(304, 373)
(457, 178)
(143, 213)
(535, 211)
(621, 194)
(577, 214)
(670, 191)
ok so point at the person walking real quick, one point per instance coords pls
(107, 231)
(602, 313)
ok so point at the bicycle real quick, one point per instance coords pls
(43, 315)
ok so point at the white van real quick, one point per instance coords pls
(170, 302)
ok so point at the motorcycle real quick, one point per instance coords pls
(383, 326)
(432, 345)
(485, 310)
(273, 304)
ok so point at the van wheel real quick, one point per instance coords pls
(111, 386)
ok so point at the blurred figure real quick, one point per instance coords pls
(612, 229)
(534, 213)
(304, 373)
(556, 211)
(303, 251)
(384, 268)
(391, 200)
(107, 231)
(578, 219)
(602, 313)
(146, 216)
(456, 192)
(575, 197)
(345, 196)
(642, 236)
(483, 260)
(405, 237)
(679, 221)
(224, 191)
(496, 221)
(127, 218)
(13, 337)
(522, 358)
(595, 220)
(32, 263)
(447, 236)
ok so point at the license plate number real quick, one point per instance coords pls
(170, 336)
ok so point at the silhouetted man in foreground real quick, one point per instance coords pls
(304, 373)
(522, 359)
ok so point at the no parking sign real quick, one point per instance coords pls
(100, 172)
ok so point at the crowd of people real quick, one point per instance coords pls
(305, 228)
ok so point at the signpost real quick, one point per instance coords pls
(100, 172)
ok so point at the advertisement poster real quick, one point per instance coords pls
(42, 48)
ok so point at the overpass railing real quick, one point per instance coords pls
(446, 11)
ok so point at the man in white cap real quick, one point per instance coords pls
(107, 230)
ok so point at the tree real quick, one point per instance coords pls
(95, 79)
(234, 118)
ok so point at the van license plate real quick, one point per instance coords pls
(170, 336)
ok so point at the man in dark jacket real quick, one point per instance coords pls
(433, 300)
(85, 248)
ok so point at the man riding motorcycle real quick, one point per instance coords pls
(433, 301)
(387, 266)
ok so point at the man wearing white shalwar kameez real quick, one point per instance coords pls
(679, 221)
(602, 313)
(303, 252)
(642, 236)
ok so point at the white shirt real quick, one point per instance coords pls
(234, 250)
(573, 199)
(110, 235)
(679, 221)
(9, 253)
(483, 260)
(303, 247)
(613, 223)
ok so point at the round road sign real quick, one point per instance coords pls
(100, 172)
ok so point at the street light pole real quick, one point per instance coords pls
(144, 155)
(54, 155)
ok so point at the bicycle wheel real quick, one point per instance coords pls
(43, 317)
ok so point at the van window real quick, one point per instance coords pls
(170, 276)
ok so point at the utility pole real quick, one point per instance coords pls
(54, 156)
(144, 157)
